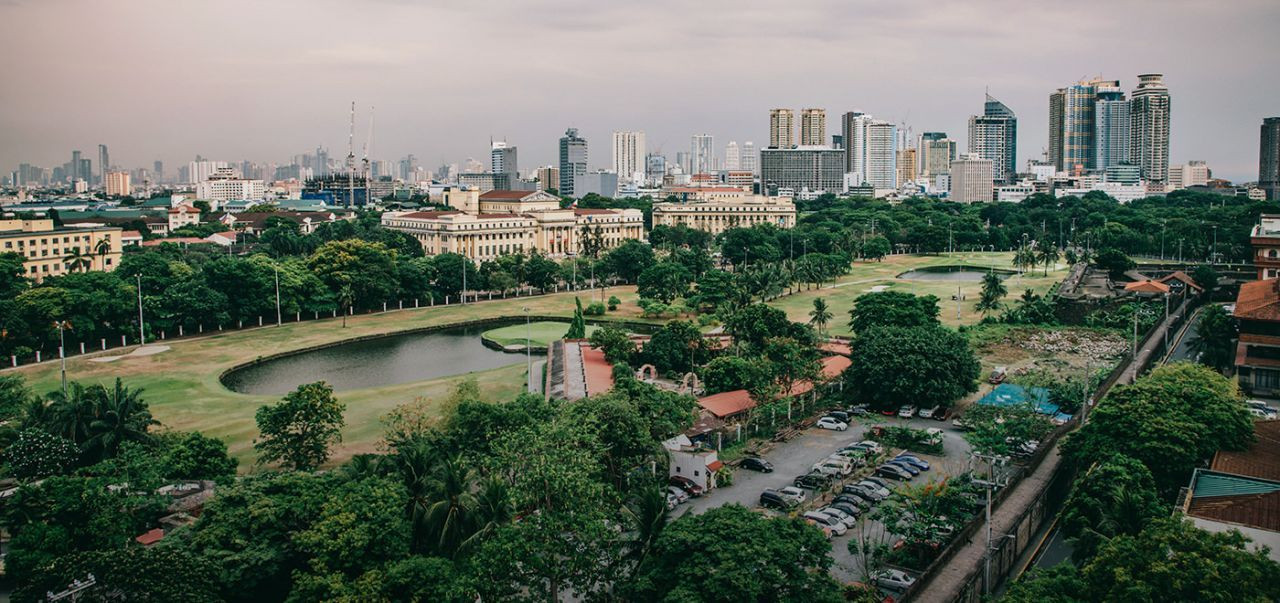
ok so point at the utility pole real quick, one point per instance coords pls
(142, 334)
(277, 270)
(1134, 352)
(528, 348)
(62, 353)
(990, 484)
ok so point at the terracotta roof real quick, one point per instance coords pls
(1261, 460)
(1258, 300)
(131, 234)
(150, 537)
(494, 195)
(429, 215)
(727, 404)
(714, 466)
(1147, 286)
(1255, 510)
(587, 211)
(155, 242)
(598, 372)
(836, 348)
(832, 366)
(1182, 276)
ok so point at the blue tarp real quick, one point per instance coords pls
(1008, 394)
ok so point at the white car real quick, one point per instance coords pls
(876, 488)
(832, 423)
(927, 413)
(893, 579)
(848, 520)
(833, 466)
(680, 495)
(1262, 410)
(792, 493)
(672, 501)
(872, 445)
(836, 526)
(907, 411)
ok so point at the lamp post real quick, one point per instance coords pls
(142, 334)
(528, 349)
(277, 271)
(62, 325)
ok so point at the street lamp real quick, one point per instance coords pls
(277, 271)
(62, 325)
(142, 334)
(528, 349)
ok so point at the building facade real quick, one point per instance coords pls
(702, 154)
(971, 180)
(1072, 123)
(1192, 173)
(573, 161)
(803, 168)
(813, 127)
(782, 129)
(1269, 158)
(504, 164)
(117, 184)
(548, 177)
(718, 215)
(225, 185)
(750, 158)
(1111, 128)
(936, 152)
(1149, 128)
(629, 156)
(49, 250)
(1265, 240)
(994, 136)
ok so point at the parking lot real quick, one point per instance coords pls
(796, 456)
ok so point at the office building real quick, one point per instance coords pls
(702, 154)
(853, 126)
(1072, 113)
(813, 127)
(971, 180)
(1269, 158)
(1111, 128)
(907, 168)
(994, 136)
(655, 167)
(117, 184)
(504, 164)
(782, 129)
(573, 162)
(600, 182)
(880, 155)
(732, 156)
(1187, 175)
(201, 169)
(1149, 129)
(629, 156)
(715, 210)
(225, 185)
(74, 169)
(813, 169)
(47, 249)
(548, 177)
(104, 164)
(935, 154)
(749, 160)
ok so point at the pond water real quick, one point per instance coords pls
(376, 362)
(950, 273)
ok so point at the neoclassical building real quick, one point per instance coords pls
(718, 209)
(483, 226)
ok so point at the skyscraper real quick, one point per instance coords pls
(782, 129)
(749, 160)
(1072, 113)
(1149, 128)
(573, 161)
(936, 152)
(813, 127)
(159, 170)
(104, 164)
(994, 136)
(504, 164)
(74, 169)
(870, 150)
(1269, 158)
(1111, 128)
(971, 180)
(628, 156)
(732, 156)
(702, 153)
(854, 134)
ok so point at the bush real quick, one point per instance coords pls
(614, 302)
(595, 309)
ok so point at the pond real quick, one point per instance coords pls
(952, 273)
(375, 362)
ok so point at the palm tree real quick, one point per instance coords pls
(1024, 259)
(66, 414)
(120, 415)
(493, 509)
(77, 259)
(1048, 254)
(346, 298)
(103, 248)
(648, 516)
(820, 315)
(448, 518)
(992, 290)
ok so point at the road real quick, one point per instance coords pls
(797, 456)
(1182, 347)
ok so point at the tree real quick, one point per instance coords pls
(193, 455)
(754, 324)
(893, 309)
(1216, 333)
(664, 281)
(159, 573)
(1047, 254)
(876, 248)
(993, 290)
(716, 289)
(1205, 276)
(12, 274)
(37, 454)
(820, 315)
(578, 326)
(120, 415)
(926, 365)
(369, 269)
(733, 554)
(791, 361)
(1117, 496)
(78, 260)
(1115, 262)
(346, 299)
(726, 373)
(628, 260)
(299, 430)
(677, 346)
(14, 395)
(616, 344)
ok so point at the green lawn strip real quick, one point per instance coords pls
(540, 333)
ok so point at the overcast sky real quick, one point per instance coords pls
(266, 79)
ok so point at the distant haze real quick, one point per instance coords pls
(265, 80)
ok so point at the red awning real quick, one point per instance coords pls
(714, 466)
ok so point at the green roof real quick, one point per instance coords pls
(1212, 483)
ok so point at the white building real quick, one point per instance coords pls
(871, 151)
(199, 171)
(693, 462)
(702, 154)
(732, 157)
(971, 180)
(1192, 173)
(629, 156)
(748, 160)
(224, 185)
(1123, 193)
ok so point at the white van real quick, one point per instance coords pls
(834, 466)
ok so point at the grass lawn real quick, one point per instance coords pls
(184, 392)
(865, 276)
(540, 333)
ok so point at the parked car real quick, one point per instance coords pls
(859, 496)
(848, 520)
(685, 484)
(837, 527)
(839, 415)
(680, 495)
(756, 464)
(836, 466)
(1259, 413)
(793, 493)
(893, 579)
(826, 531)
(905, 466)
(893, 472)
(1262, 406)
(832, 423)
(772, 499)
(941, 414)
(672, 501)
(998, 375)
(851, 500)
(875, 486)
(859, 410)
(876, 481)
(888, 412)
(848, 507)
(872, 445)
(813, 481)
(916, 461)
(856, 456)
(907, 411)
(927, 413)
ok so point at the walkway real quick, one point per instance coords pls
(947, 585)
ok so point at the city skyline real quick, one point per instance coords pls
(282, 100)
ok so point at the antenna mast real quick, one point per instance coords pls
(351, 158)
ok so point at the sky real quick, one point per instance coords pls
(264, 80)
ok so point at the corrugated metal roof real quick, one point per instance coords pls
(1210, 483)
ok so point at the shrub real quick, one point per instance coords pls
(595, 309)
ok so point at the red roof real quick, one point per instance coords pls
(599, 374)
(727, 404)
(131, 234)
(586, 211)
(835, 347)
(714, 466)
(495, 195)
(430, 215)
(150, 537)
(1182, 276)
(1147, 286)
(832, 366)
(1258, 300)
(1261, 460)
(155, 242)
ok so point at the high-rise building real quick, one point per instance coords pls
(732, 156)
(782, 129)
(936, 152)
(881, 155)
(573, 161)
(907, 168)
(1110, 128)
(853, 126)
(1149, 129)
(158, 168)
(971, 179)
(117, 184)
(200, 170)
(1072, 114)
(1269, 158)
(504, 163)
(104, 164)
(548, 177)
(628, 156)
(655, 167)
(994, 136)
(320, 164)
(702, 153)
(813, 127)
(749, 160)
(815, 169)
(77, 163)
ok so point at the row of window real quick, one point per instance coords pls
(22, 243)
(44, 268)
